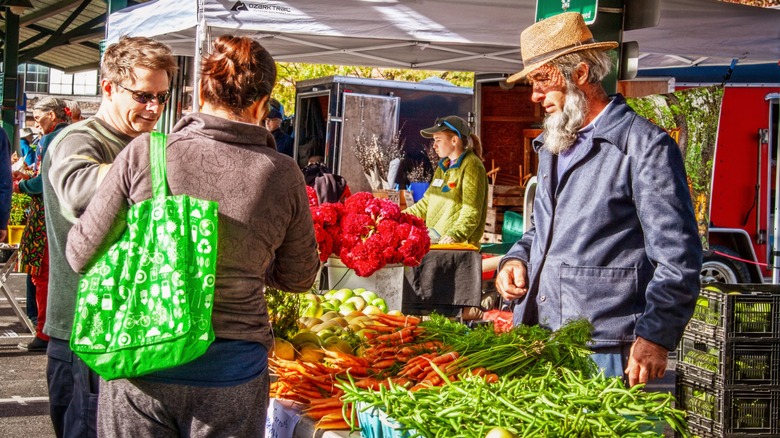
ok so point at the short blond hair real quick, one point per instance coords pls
(121, 59)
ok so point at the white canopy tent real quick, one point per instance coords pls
(467, 35)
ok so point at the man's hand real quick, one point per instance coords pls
(647, 361)
(512, 280)
(3, 235)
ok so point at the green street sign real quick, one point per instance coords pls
(548, 8)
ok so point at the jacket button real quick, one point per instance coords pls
(543, 298)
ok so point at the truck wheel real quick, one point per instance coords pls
(717, 268)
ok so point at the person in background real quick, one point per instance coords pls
(455, 204)
(614, 238)
(27, 147)
(273, 122)
(135, 79)
(329, 187)
(74, 111)
(266, 237)
(50, 119)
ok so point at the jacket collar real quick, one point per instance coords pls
(224, 130)
(445, 160)
(611, 126)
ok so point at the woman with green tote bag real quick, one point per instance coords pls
(266, 237)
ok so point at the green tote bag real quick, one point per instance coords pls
(145, 304)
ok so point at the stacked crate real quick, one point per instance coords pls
(500, 199)
(728, 363)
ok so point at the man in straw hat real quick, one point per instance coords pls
(615, 238)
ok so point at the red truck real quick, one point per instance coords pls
(744, 200)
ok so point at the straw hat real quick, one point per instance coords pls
(553, 37)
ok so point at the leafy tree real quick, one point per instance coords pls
(289, 73)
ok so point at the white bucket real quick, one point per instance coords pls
(387, 282)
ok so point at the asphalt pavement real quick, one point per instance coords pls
(24, 401)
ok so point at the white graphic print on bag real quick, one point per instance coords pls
(148, 314)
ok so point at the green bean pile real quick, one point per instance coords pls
(523, 350)
(561, 403)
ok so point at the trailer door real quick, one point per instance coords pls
(364, 117)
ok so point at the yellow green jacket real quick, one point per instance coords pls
(455, 203)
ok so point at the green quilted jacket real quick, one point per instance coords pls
(455, 203)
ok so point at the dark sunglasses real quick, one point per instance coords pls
(440, 123)
(144, 98)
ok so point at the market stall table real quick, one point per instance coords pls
(445, 282)
(285, 420)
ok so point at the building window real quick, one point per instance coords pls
(60, 83)
(36, 78)
(86, 83)
(43, 80)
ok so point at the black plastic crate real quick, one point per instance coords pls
(728, 363)
(717, 412)
(752, 314)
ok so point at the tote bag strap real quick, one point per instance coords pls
(157, 161)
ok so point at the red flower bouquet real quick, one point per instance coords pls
(367, 233)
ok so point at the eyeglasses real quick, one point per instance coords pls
(441, 123)
(144, 97)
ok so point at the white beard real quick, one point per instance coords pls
(560, 129)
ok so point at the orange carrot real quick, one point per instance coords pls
(367, 383)
(357, 371)
(383, 364)
(332, 422)
(327, 402)
(449, 357)
(479, 371)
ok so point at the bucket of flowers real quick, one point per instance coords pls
(17, 219)
(366, 234)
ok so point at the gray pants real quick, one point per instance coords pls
(136, 408)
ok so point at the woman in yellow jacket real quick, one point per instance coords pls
(455, 204)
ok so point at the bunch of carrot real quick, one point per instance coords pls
(329, 412)
(302, 381)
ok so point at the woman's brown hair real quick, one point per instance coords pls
(237, 73)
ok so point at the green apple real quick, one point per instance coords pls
(312, 298)
(343, 294)
(329, 294)
(335, 302)
(380, 302)
(313, 310)
(358, 301)
(372, 310)
(328, 307)
(330, 314)
(346, 308)
(308, 322)
(369, 295)
(334, 343)
(358, 290)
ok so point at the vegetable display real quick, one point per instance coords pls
(440, 378)
(560, 403)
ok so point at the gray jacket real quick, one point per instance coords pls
(616, 241)
(266, 233)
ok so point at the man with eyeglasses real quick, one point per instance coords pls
(135, 76)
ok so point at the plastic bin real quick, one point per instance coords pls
(374, 423)
(753, 314)
(715, 412)
(728, 363)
